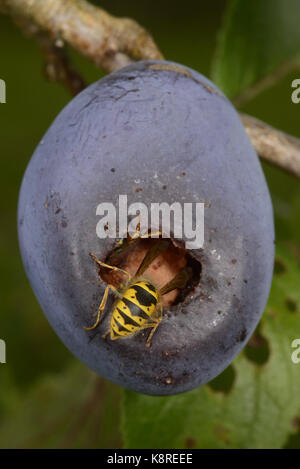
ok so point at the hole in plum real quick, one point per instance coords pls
(224, 382)
(257, 350)
(160, 271)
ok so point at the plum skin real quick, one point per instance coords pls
(149, 122)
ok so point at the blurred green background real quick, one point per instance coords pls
(47, 398)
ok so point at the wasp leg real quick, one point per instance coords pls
(157, 320)
(137, 230)
(154, 327)
(151, 235)
(112, 267)
(102, 306)
(138, 234)
(154, 324)
(106, 334)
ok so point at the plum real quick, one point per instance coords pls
(154, 131)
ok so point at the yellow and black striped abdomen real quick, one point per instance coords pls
(134, 309)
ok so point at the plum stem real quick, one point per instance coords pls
(273, 145)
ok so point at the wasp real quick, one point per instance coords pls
(138, 303)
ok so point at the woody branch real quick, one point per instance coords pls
(112, 43)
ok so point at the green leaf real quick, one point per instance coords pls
(258, 39)
(261, 406)
(72, 409)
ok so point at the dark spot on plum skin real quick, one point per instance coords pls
(242, 336)
(171, 353)
(212, 283)
(170, 380)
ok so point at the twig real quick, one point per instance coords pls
(57, 65)
(270, 80)
(111, 43)
(274, 146)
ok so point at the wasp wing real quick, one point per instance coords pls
(155, 250)
(179, 281)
